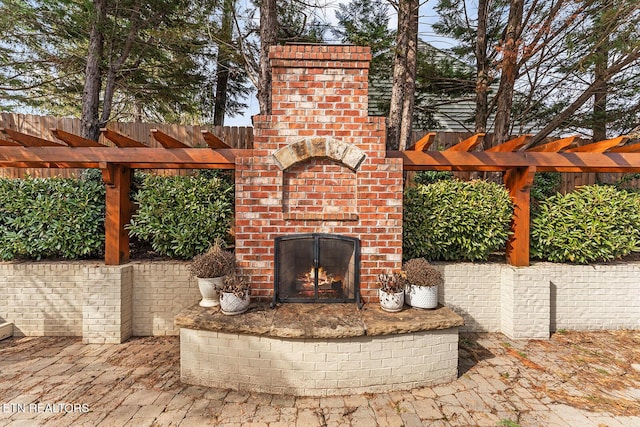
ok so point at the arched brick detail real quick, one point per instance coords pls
(340, 152)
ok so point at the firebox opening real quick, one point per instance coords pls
(317, 268)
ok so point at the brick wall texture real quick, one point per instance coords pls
(103, 303)
(319, 111)
(318, 367)
(46, 299)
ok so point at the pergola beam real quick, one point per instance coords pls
(512, 145)
(30, 140)
(117, 179)
(468, 144)
(554, 146)
(120, 140)
(74, 140)
(543, 162)
(213, 141)
(519, 181)
(599, 147)
(424, 143)
(139, 158)
(167, 141)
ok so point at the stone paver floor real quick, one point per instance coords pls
(573, 379)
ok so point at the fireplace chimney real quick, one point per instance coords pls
(318, 167)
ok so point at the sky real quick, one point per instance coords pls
(426, 33)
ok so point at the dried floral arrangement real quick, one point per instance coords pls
(392, 282)
(216, 262)
(419, 272)
(236, 285)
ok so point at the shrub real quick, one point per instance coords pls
(545, 185)
(456, 220)
(182, 215)
(429, 177)
(216, 262)
(420, 273)
(593, 223)
(53, 217)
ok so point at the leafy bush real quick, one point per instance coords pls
(455, 220)
(545, 185)
(593, 223)
(429, 177)
(182, 215)
(51, 217)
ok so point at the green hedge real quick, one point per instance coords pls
(182, 215)
(593, 223)
(456, 220)
(53, 217)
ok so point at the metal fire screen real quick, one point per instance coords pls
(317, 268)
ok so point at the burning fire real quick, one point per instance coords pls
(325, 280)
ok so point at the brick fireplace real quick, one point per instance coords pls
(318, 166)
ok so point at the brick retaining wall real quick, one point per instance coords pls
(46, 299)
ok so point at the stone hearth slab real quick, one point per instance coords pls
(315, 321)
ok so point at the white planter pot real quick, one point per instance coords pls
(210, 290)
(391, 302)
(231, 304)
(421, 296)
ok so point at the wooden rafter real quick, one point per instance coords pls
(74, 140)
(30, 140)
(5, 143)
(630, 148)
(512, 145)
(213, 141)
(424, 143)
(468, 144)
(167, 141)
(553, 146)
(121, 140)
(599, 147)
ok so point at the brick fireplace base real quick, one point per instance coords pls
(318, 349)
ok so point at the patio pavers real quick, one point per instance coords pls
(575, 378)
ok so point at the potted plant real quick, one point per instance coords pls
(391, 292)
(235, 295)
(423, 281)
(209, 269)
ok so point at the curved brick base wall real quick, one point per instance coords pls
(318, 367)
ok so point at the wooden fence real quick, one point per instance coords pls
(236, 137)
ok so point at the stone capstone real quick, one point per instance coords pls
(318, 321)
(330, 148)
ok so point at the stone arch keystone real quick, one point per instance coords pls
(346, 154)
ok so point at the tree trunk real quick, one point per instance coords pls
(89, 123)
(399, 106)
(406, 124)
(509, 73)
(482, 73)
(222, 68)
(268, 38)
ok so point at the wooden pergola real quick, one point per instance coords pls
(117, 162)
(519, 165)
